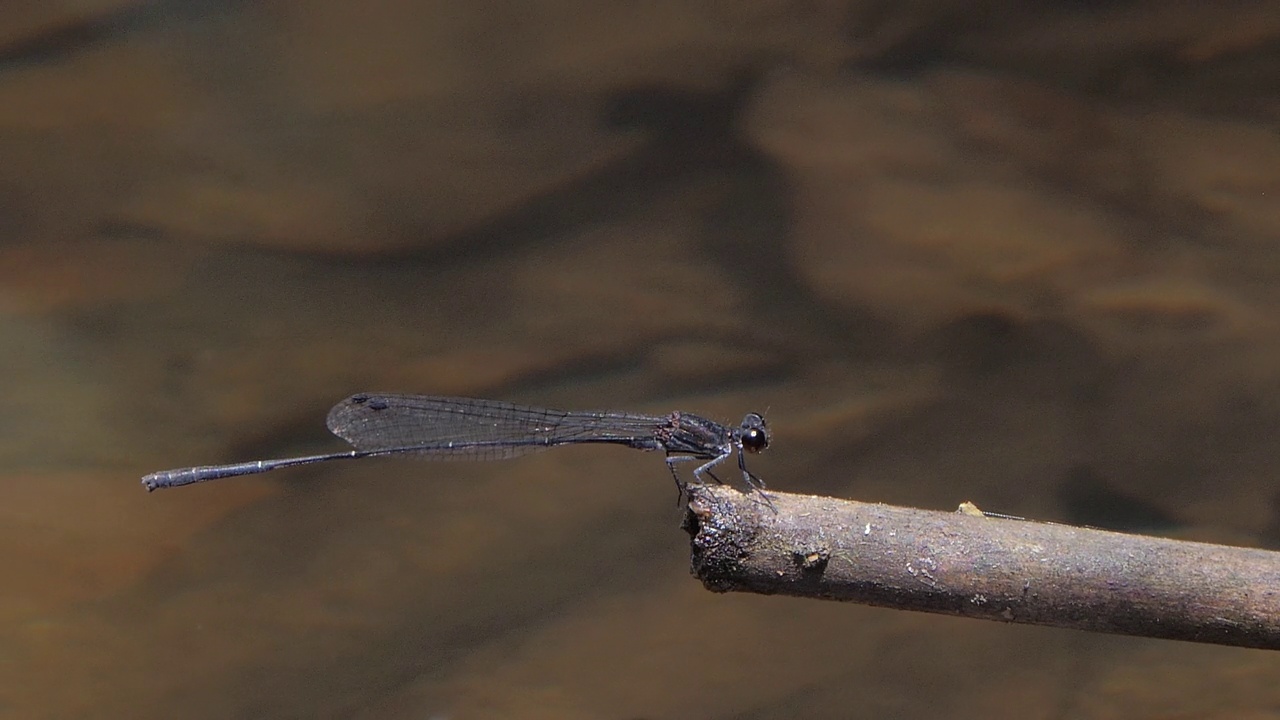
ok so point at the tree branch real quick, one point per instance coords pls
(984, 567)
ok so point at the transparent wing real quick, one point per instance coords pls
(466, 428)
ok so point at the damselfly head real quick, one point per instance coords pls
(753, 434)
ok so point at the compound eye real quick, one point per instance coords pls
(755, 439)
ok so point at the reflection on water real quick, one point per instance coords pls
(1027, 263)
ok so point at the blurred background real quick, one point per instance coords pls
(1024, 254)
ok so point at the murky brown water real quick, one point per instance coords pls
(1023, 254)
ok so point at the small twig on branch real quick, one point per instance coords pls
(964, 563)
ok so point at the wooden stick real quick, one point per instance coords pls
(965, 563)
